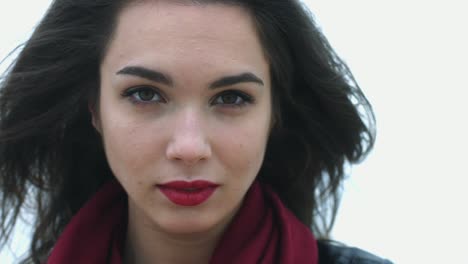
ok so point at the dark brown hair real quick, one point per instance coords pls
(50, 151)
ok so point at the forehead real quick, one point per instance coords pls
(169, 33)
(200, 18)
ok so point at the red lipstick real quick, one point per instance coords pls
(186, 193)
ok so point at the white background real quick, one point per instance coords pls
(407, 201)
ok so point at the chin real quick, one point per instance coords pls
(190, 225)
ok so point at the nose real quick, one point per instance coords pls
(189, 143)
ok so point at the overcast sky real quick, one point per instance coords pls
(407, 201)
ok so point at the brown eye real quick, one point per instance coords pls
(232, 98)
(146, 94)
(229, 98)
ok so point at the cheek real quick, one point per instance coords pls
(130, 147)
(242, 148)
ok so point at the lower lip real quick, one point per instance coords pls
(185, 197)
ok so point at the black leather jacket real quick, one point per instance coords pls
(335, 253)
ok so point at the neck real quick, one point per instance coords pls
(146, 243)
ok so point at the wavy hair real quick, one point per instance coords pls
(50, 152)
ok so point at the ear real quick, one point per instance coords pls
(95, 120)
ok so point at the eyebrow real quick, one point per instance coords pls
(246, 77)
(145, 73)
(156, 76)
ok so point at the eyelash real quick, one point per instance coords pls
(245, 98)
(133, 94)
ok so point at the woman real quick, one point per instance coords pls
(180, 132)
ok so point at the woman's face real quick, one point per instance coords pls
(184, 112)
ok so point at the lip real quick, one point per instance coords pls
(188, 193)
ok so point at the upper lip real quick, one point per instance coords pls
(198, 184)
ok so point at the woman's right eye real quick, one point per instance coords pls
(143, 94)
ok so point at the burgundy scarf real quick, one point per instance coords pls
(263, 231)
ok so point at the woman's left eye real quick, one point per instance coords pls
(232, 98)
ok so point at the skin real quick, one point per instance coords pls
(188, 130)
